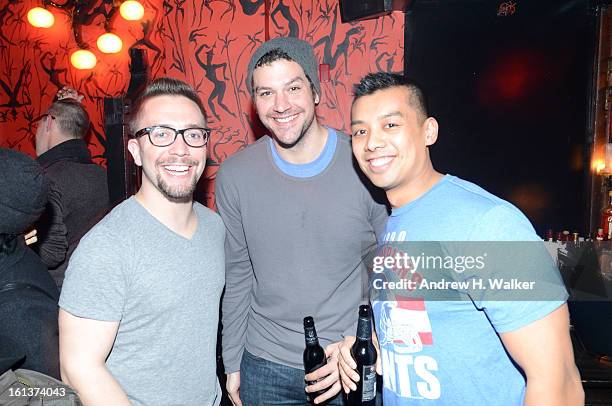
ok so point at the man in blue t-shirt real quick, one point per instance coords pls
(474, 348)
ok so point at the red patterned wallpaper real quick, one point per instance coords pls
(207, 43)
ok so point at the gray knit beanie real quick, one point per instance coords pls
(23, 191)
(298, 50)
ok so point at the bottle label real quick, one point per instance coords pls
(369, 383)
(310, 335)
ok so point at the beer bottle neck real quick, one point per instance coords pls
(364, 329)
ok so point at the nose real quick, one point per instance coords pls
(281, 102)
(375, 140)
(179, 147)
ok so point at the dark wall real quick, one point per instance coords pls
(511, 93)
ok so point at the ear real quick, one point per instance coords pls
(317, 99)
(48, 124)
(431, 131)
(134, 148)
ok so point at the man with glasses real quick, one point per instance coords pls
(79, 191)
(140, 303)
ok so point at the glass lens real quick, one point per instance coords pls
(195, 137)
(161, 136)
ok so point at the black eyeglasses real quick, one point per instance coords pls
(162, 136)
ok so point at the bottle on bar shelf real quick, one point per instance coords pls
(364, 354)
(549, 235)
(314, 354)
(606, 218)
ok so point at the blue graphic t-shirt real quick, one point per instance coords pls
(449, 352)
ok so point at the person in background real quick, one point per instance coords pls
(28, 296)
(79, 190)
(473, 352)
(299, 220)
(140, 303)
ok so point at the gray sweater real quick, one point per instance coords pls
(294, 248)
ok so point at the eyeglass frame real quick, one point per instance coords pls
(148, 130)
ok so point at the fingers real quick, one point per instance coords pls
(331, 392)
(67, 92)
(327, 374)
(333, 349)
(235, 398)
(346, 365)
(321, 372)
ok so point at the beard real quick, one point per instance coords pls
(297, 135)
(177, 193)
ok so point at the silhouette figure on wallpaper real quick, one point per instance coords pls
(294, 30)
(167, 8)
(5, 13)
(210, 71)
(15, 92)
(323, 18)
(231, 137)
(342, 47)
(358, 44)
(84, 13)
(231, 7)
(51, 70)
(250, 7)
(194, 34)
(389, 61)
(382, 23)
(147, 31)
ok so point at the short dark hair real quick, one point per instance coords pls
(71, 117)
(163, 87)
(275, 55)
(373, 82)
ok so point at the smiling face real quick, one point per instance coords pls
(390, 140)
(172, 171)
(285, 101)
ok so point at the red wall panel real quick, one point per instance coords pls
(207, 43)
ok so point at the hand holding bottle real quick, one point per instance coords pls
(348, 366)
(327, 377)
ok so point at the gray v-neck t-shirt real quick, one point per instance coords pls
(164, 291)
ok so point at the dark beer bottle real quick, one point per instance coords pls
(364, 354)
(314, 354)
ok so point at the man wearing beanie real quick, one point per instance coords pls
(28, 296)
(299, 219)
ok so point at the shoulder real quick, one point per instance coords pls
(208, 216)
(494, 218)
(246, 157)
(117, 225)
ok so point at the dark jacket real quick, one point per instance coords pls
(28, 316)
(82, 199)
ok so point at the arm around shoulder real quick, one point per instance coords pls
(543, 349)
